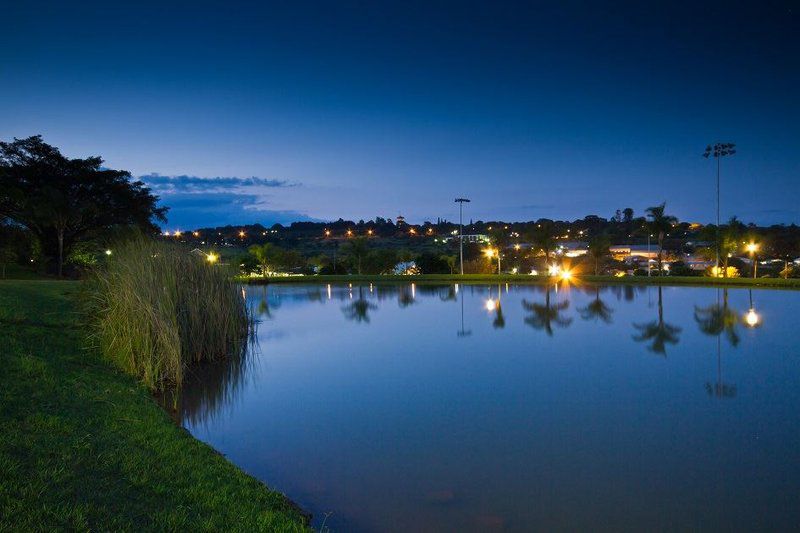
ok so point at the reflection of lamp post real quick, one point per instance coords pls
(751, 318)
(718, 151)
(463, 332)
(752, 248)
(648, 253)
(461, 230)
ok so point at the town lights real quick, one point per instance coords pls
(195, 233)
(241, 234)
(349, 233)
(369, 232)
(327, 233)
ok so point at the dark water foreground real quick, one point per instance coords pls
(423, 408)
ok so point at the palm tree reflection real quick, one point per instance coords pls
(718, 318)
(658, 333)
(358, 310)
(715, 320)
(545, 316)
(596, 309)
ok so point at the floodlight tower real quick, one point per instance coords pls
(718, 151)
(460, 202)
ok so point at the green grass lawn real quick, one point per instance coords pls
(791, 283)
(83, 446)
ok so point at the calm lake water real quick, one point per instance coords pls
(480, 408)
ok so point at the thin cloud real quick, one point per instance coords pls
(189, 184)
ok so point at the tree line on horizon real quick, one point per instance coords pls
(58, 212)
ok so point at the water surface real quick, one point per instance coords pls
(479, 408)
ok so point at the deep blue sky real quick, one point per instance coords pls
(557, 110)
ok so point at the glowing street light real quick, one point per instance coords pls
(108, 252)
(553, 270)
(752, 248)
(241, 234)
(349, 233)
(327, 233)
(196, 233)
(566, 275)
(212, 258)
(491, 252)
(370, 232)
(412, 231)
(177, 233)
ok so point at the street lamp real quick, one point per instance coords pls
(491, 252)
(460, 202)
(718, 151)
(752, 248)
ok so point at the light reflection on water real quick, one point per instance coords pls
(420, 407)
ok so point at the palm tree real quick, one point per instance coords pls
(598, 250)
(660, 224)
(717, 319)
(544, 239)
(544, 316)
(357, 250)
(597, 309)
(658, 331)
(730, 242)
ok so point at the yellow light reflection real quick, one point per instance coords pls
(751, 318)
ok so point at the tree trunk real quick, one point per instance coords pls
(660, 250)
(60, 252)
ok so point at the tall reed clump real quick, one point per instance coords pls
(158, 309)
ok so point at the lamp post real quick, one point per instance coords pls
(460, 202)
(489, 253)
(753, 248)
(718, 151)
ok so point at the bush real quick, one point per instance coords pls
(157, 309)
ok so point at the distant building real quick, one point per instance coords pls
(572, 249)
(472, 237)
(629, 252)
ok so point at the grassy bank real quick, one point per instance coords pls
(534, 280)
(85, 447)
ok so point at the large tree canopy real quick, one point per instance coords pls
(63, 201)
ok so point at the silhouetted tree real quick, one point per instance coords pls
(62, 201)
(660, 223)
(598, 250)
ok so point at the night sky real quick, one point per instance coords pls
(271, 113)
